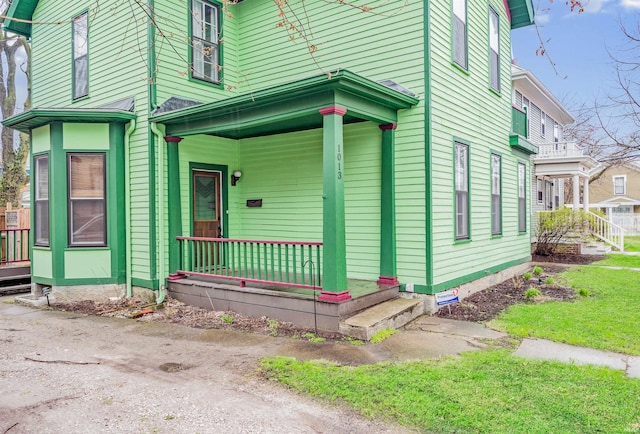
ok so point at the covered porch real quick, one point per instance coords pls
(281, 159)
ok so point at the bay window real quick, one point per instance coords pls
(87, 220)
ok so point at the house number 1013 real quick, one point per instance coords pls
(339, 158)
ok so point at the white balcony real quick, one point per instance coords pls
(559, 150)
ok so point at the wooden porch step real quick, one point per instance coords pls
(390, 314)
(11, 278)
(15, 289)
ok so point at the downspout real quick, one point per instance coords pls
(127, 205)
(162, 290)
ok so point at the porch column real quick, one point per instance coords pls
(174, 204)
(576, 192)
(334, 267)
(585, 194)
(388, 273)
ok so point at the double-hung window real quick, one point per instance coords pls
(80, 27)
(460, 33)
(41, 200)
(556, 132)
(462, 190)
(522, 198)
(619, 185)
(87, 219)
(205, 41)
(496, 194)
(543, 123)
(494, 49)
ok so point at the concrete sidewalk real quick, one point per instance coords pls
(429, 337)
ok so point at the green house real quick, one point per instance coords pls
(315, 149)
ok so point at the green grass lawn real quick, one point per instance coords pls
(608, 319)
(484, 391)
(632, 244)
(620, 260)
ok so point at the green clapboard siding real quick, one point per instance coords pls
(464, 107)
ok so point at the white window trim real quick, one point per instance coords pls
(624, 184)
(543, 124)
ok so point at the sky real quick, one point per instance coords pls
(579, 44)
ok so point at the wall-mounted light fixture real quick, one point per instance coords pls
(235, 177)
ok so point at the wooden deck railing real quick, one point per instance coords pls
(15, 245)
(606, 231)
(281, 263)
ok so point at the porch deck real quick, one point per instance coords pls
(296, 305)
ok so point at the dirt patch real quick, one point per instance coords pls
(174, 311)
(485, 305)
(567, 259)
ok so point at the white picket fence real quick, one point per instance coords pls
(630, 223)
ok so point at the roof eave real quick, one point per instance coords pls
(35, 118)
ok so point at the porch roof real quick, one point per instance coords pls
(290, 107)
(37, 117)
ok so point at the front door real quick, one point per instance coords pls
(207, 217)
(207, 204)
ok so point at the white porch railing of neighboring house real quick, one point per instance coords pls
(629, 222)
(559, 149)
(607, 231)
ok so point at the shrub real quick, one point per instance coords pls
(553, 226)
(549, 281)
(532, 293)
(527, 275)
(537, 271)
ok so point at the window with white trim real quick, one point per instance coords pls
(205, 41)
(539, 186)
(556, 132)
(543, 123)
(87, 219)
(41, 200)
(619, 185)
(522, 198)
(462, 190)
(496, 194)
(494, 49)
(80, 25)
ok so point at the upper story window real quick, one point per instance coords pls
(87, 220)
(80, 26)
(543, 123)
(41, 200)
(462, 190)
(205, 41)
(619, 184)
(494, 49)
(556, 132)
(460, 33)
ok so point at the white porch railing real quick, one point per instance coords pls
(607, 231)
(629, 222)
(559, 149)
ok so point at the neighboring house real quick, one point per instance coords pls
(399, 167)
(557, 159)
(615, 191)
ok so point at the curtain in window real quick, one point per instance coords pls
(80, 56)
(205, 44)
(462, 191)
(494, 49)
(460, 32)
(87, 199)
(522, 204)
(41, 184)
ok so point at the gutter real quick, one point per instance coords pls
(127, 206)
(159, 140)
